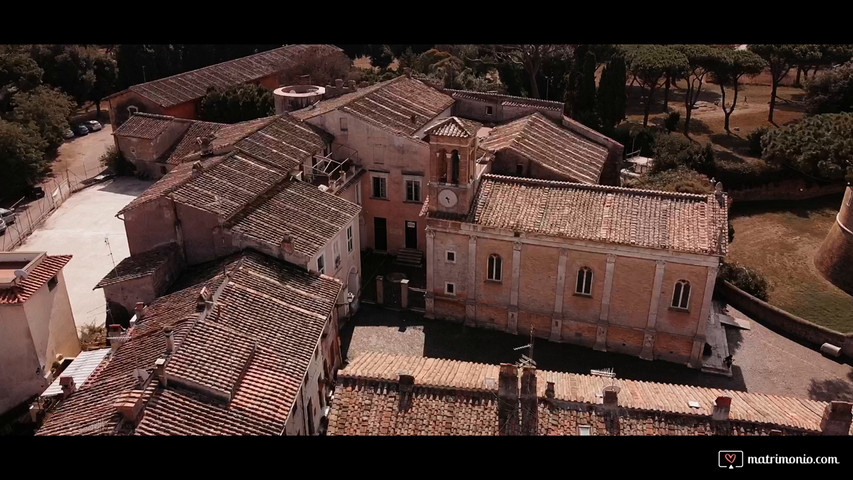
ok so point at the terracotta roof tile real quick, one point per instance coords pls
(551, 146)
(643, 218)
(144, 125)
(368, 394)
(137, 266)
(507, 100)
(193, 85)
(49, 267)
(454, 127)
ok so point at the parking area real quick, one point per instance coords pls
(85, 226)
(764, 361)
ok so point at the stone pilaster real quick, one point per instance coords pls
(557, 320)
(704, 314)
(471, 287)
(429, 297)
(604, 315)
(649, 339)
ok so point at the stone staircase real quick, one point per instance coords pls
(410, 257)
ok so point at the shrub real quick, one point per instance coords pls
(682, 180)
(754, 139)
(674, 150)
(115, 161)
(671, 121)
(635, 137)
(237, 104)
(745, 278)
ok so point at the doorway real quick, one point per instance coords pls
(380, 234)
(411, 234)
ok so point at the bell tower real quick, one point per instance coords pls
(452, 165)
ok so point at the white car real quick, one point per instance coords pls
(8, 216)
(93, 125)
(2, 227)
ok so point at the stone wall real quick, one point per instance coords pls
(795, 189)
(783, 321)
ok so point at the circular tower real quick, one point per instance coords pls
(295, 97)
(834, 258)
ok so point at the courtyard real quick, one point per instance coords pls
(85, 226)
(764, 361)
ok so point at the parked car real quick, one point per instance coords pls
(93, 125)
(36, 193)
(81, 130)
(2, 227)
(8, 216)
(68, 133)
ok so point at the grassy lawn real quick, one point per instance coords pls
(780, 241)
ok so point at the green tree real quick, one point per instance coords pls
(237, 104)
(650, 65)
(831, 91)
(747, 279)
(530, 58)
(820, 146)
(781, 58)
(19, 71)
(674, 151)
(584, 109)
(44, 110)
(612, 94)
(700, 60)
(728, 69)
(68, 67)
(106, 76)
(22, 158)
(680, 179)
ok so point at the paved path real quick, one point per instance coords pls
(79, 227)
(764, 361)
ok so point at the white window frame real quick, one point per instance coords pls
(321, 264)
(678, 295)
(419, 180)
(447, 256)
(581, 429)
(494, 268)
(349, 239)
(384, 177)
(586, 284)
(448, 286)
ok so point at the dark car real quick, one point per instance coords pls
(36, 193)
(80, 130)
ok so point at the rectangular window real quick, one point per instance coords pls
(337, 249)
(489, 110)
(451, 256)
(584, 430)
(450, 288)
(519, 170)
(413, 190)
(358, 193)
(379, 187)
(494, 268)
(51, 284)
(343, 124)
(321, 264)
(349, 239)
(584, 283)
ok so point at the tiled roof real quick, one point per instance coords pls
(454, 127)
(168, 183)
(402, 105)
(642, 218)
(80, 369)
(283, 143)
(545, 143)
(298, 209)
(36, 278)
(366, 401)
(137, 266)
(254, 344)
(144, 125)
(507, 100)
(188, 144)
(188, 86)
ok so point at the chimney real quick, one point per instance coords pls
(721, 408)
(339, 83)
(197, 169)
(204, 297)
(115, 337)
(170, 342)
(508, 400)
(529, 404)
(836, 418)
(305, 80)
(549, 391)
(414, 118)
(160, 371)
(287, 244)
(129, 404)
(611, 396)
(67, 384)
(407, 386)
(205, 144)
(352, 86)
(138, 310)
(408, 72)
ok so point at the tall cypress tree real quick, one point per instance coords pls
(611, 93)
(585, 107)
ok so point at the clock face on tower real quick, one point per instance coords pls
(447, 198)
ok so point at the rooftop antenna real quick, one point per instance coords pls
(527, 360)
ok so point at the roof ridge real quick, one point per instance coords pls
(603, 188)
(503, 95)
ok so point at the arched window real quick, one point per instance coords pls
(681, 294)
(495, 267)
(455, 167)
(584, 285)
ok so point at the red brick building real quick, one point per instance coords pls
(382, 394)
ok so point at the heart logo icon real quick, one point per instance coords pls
(731, 457)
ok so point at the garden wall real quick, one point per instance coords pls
(783, 321)
(793, 189)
